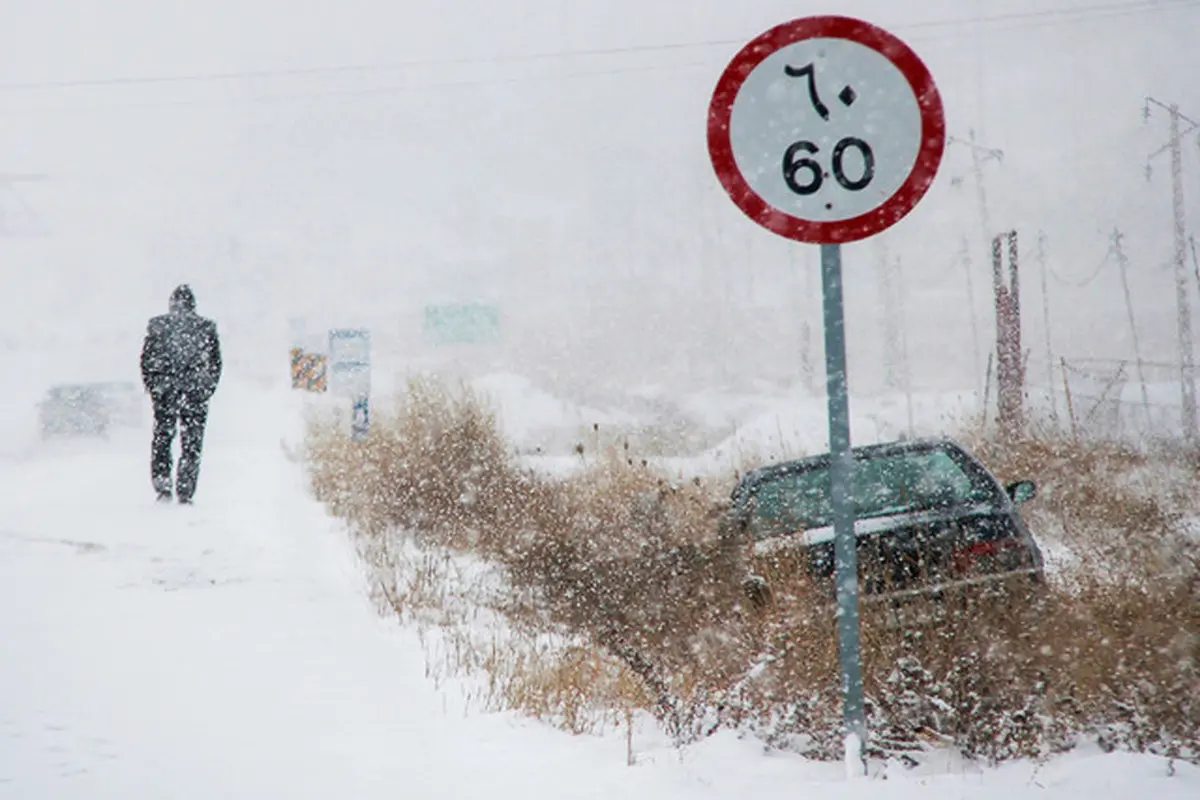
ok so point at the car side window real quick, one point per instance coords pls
(939, 479)
(886, 484)
(791, 503)
(917, 479)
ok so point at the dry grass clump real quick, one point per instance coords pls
(434, 465)
(619, 590)
(1003, 676)
(631, 563)
(1121, 510)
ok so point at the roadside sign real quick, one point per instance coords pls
(826, 130)
(350, 373)
(462, 323)
(829, 130)
(350, 346)
(309, 370)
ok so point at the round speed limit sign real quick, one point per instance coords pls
(826, 129)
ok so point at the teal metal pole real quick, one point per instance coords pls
(841, 475)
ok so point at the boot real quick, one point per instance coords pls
(162, 488)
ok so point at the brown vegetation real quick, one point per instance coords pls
(620, 592)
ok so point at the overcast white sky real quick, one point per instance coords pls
(354, 160)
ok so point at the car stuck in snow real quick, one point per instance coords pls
(930, 518)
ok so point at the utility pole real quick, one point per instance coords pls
(1174, 146)
(967, 267)
(1041, 257)
(980, 155)
(1123, 263)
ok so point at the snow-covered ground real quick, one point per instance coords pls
(360, 162)
(727, 431)
(229, 650)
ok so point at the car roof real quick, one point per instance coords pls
(754, 477)
(92, 386)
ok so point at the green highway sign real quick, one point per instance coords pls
(462, 323)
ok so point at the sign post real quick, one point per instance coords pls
(350, 374)
(828, 130)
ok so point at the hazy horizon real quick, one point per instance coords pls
(350, 163)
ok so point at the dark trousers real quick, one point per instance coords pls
(190, 412)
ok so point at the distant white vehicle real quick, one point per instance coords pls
(89, 409)
(126, 402)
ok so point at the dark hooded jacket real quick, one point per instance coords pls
(181, 352)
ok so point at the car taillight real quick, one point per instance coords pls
(966, 558)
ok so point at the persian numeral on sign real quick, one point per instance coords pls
(796, 166)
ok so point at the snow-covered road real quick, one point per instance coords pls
(228, 650)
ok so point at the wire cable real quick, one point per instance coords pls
(353, 93)
(1079, 284)
(1051, 17)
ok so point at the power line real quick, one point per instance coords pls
(1079, 284)
(1123, 264)
(1055, 18)
(1079, 13)
(357, 92)
(1042, 18)
(337, 69)
(1049, 17)
(1096, 360)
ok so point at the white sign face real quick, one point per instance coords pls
(826, 129)
(349, 380)
(349, 346)
(350, 363)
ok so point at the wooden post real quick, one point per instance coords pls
(1070, 405)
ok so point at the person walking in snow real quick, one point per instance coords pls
(181, 366)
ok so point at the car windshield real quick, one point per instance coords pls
(888, 483)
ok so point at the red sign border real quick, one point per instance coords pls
(896, 207)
